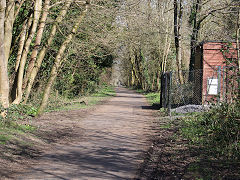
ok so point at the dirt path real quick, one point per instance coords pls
(110, 144)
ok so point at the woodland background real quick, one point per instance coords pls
(68, 48)
(55, 53)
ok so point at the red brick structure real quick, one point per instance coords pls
(214, 58)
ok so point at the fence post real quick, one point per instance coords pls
(162, 89)
(219, 83)
(166, 90)
(170, 94)
(223, 85)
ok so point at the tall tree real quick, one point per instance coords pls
(47, 45)
(178, 15)
(195, 29)
(36, 16)
(200, 11)
(38, 40)
(4, 84)
(58, 58)
(237, 37)
(8, 28)
(23, 34)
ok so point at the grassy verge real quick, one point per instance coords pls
(176, 153)
(13, 132)
(214, 137)
(152, 97)
(18, 121)
(61, 103)
(218, 130)
(11, 126)
(203, 145)
(23, 138)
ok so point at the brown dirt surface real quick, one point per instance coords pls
(122, 138)
(106, 142)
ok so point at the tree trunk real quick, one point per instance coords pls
(153, 82)
(26, 25)
(43, 51)
(133, 78)
(57, 62)
(166, 56)
(164, 50)
(167, 42)
(238, 31)
(158, 80)
(194, 37)
(18, 7)
(22, 42)
(37, 42)
(177, 27)
(4, 83)
(8, 28)
(133, 59)
(37, 13)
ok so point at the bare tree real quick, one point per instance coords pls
(237, 37)
(8, 28)
(37, 41)
(178, 15)
(36, 16)
(4, 84)
(43, 51)
(57, 62)
(201, 10)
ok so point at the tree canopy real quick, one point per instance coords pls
(71, 46)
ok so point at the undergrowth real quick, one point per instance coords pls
(17, 118)
(10, 125)
(218, 130)
(59, 103)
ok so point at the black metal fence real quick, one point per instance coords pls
(222, 84)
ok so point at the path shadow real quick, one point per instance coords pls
(154, 106)
(94, 161)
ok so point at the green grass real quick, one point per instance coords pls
(140, 91)
(26, 128)
(63, 104)
(12, 125)
(3, 139)
(12, 130)
(166, 126)
(105, 91)
(152, 97)
(217, 130)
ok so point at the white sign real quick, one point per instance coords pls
(212, 87)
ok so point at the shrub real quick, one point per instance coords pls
(16, 112)
(218, 129)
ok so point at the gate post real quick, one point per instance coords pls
(219, 83)
(169, 93)
(166, 90)
(162, 89)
